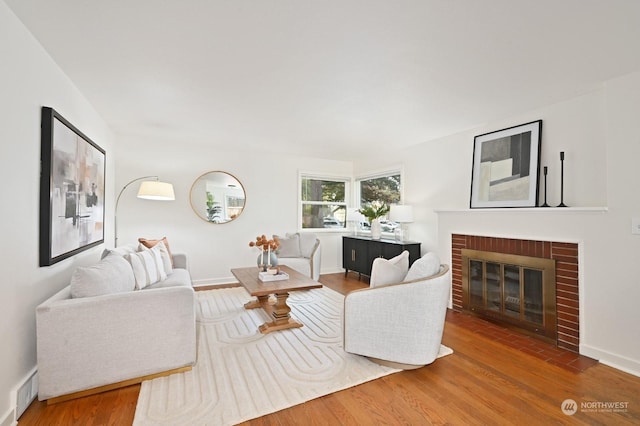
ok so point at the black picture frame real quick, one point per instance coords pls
(506, 167)
(72, 190)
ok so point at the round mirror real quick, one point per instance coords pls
(217, 197)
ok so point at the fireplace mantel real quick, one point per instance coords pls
(528, 210)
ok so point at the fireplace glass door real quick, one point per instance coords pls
(517, 290)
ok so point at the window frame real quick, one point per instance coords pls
(396, 170)
(347, 180)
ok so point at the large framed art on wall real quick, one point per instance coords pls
(506, 165)
(72, 189)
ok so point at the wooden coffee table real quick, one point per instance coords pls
(279, 311)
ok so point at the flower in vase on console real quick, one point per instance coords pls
(373, 212)
(267, 257)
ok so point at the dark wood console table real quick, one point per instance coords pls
(358, 253)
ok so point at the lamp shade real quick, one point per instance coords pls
(401, 213)
(156, 190)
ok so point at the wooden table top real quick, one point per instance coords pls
(248, 277)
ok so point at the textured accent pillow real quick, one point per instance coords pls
(427, 265)
(307, 243)
(167, 260)
(384, 272)
(163, 258)
(155, 251)
(148, 261)
(289, 246)
(151, 243)
(139, 272)
(110, 275)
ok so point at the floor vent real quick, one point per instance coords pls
(26, 394)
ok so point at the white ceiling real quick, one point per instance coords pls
(329, 78)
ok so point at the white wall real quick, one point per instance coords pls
(29, 79)
(271, 185)
(599, 133)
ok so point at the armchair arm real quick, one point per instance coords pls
(315, 261)
(94, 341)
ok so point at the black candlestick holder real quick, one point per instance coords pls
(545, 188)
(562, 204)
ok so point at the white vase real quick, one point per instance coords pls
(376, 230)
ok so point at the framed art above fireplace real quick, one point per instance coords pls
(506, 165)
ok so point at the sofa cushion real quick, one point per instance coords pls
(427, 265)
(289, 246)
(389, 271)
(178, 278)
(113, 274)
(120, 251)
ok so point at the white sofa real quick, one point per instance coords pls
(401, 324)
(300, 251)
(104, 334)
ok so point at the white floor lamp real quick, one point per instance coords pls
(149, 190)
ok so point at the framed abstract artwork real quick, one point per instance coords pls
(72, 190)
(506, 165)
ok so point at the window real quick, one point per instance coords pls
(380, 188)
(323, 202)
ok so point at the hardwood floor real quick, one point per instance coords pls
(485, 381)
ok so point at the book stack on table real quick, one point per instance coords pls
(273, 275)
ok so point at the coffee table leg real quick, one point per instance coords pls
(260, 302)
(281, 310)
(280, 313)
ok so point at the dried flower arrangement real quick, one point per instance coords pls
(266, 248)
(264, 244)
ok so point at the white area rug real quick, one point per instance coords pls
(242, 374)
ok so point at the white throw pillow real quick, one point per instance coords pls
(162, 258)
(389, 271)
(307, 243)
(166, 257)
(289, 246)
(139, 272)
(427, 265)
(148, 261)
(110, 275)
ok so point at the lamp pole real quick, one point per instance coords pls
(115, 221)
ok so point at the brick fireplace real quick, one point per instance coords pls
(566, 276)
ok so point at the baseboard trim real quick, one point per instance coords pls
(113, 386)
(220, 282)
(9, 419)
(214, 281)
(618, 362)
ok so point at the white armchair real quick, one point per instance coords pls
(400, 325)
(301, 251)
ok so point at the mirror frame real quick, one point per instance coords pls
(202, 176)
